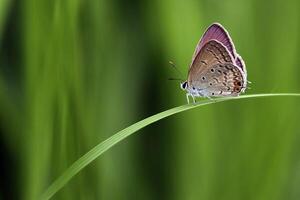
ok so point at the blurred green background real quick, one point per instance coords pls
(74, 72)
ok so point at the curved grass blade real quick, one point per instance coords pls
(102, 147)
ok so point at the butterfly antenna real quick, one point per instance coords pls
(175, 79)
(174, 66)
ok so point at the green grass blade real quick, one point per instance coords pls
(98, 150)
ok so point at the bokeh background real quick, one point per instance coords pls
(74, 72)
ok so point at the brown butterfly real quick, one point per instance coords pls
(216, 69)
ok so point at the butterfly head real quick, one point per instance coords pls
(184, 85)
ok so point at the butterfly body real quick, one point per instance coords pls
(216, 69)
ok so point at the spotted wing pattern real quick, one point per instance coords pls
(213, 52)
(223, 79)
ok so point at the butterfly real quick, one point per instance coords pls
(216, 70)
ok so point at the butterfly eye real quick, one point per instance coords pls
(184, 85)
(203, 78)
(212, 70)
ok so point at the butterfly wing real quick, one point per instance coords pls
(241, 64)
(215, 32)
(224, 79)
(212, 53)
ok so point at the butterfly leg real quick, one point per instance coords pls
(206, 96)
(194, 100)
(187, 98)
(209, 97)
